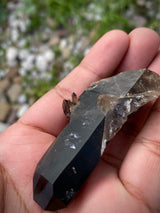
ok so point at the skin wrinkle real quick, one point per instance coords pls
(3, 190)
(35, 127)
(8, 181)
(155, 59)
(151, 145)
(135, 193)
(119, 69)
(89, 69)
(61, 92)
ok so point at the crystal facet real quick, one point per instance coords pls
(95, 118)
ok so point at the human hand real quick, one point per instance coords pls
(127, 177)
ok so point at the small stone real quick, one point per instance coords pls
(49, 55)
(2, 97)
(12, 73)
(11, 6)
(22, 26)
(28, 63)
(86, 51)
(158, 16)
(54, 41)
(62, 33)
(46, 34)
(45, 76)
(2, 74)
(42, 48)
(41, 63)
(17, 80)
(84, 43)
(14, 24)
(22, 110)
(130, 12)
(77, 47)
(14, 35)
(149, 5)
(141, 2)
(66, 52)
(11, 56)
(63, 43)
(12, 63)
(34, 74)
(22, 72)
(4, 84)
(3, 126)
(23, 54)
(22, 43)
(138, 21)
(22, 99)
(31, 101)
(4, 110)
(16, 107)
(14, 91)
(50, 22)
(12, 117)
(71, 39)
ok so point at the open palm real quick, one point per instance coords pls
(127, 177)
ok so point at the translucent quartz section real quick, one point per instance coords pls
(117, 109)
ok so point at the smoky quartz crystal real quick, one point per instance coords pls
(95, 118)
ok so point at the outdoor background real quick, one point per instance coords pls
(41, 41)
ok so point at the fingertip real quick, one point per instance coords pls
(143, 47)
(146, 33)
(106, 54)
(115, 35)
(118, 32)
(144, 29)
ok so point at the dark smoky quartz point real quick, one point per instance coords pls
(95, 118)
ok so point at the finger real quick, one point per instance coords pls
(144, 44)
(144, 156)
(140, 172)
(154, 65)
(101, 62)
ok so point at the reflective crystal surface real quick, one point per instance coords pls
(99, 114)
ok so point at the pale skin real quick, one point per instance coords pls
(127, 177)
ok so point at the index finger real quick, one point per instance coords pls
(104, 57)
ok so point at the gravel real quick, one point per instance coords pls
(33, 55)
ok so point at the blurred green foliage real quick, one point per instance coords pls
(74, 15)
(3, 12)
(40, 87)
(99, 16)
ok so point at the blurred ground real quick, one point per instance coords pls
(40, 43)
